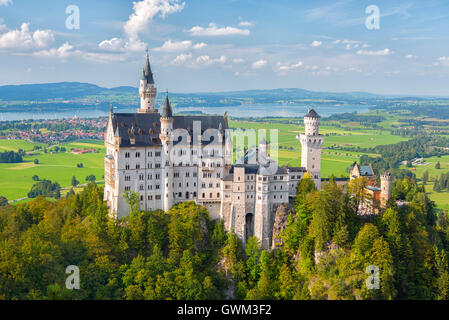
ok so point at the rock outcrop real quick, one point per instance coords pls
(280, 222)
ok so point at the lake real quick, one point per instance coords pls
(247, 110)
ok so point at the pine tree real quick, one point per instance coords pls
(425, 177)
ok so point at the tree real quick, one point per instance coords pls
(425, 177)
(443, 274)
(133, 200)
(74, 182)
(91, 178)
(36, 161)
(3, 201)
(437, 165)
(253, 251)
(35, 177)
(436, 186)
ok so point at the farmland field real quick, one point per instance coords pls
(441, 198)
(16, 178)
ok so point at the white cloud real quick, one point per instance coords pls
(24, 38)
(183, 57)
(145, 11)
(316, 43)
(287, 67)
(199, 45)
(259, 64)
(410, 56)
(207, 60)
(5, 2)
(443, 61)
(212, 30)
(238, 60)
(63, 51)
(384, 52)
(113, 44)
(246, 24)
(118, 44)
(176, 46)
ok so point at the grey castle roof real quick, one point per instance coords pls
(146, 127)
(312, 114)
(167, 112)
(146, 72)
(257, 169)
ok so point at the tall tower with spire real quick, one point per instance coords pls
(311, 142)
(147, 90)
(166, 137)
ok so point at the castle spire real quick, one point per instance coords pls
(167, 112)
(147, 70)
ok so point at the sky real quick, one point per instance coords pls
(227, 45)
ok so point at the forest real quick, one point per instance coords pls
(322, 251)
(10, 157)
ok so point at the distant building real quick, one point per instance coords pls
(376, 196)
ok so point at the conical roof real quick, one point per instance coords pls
(312, 114)
(167, 112)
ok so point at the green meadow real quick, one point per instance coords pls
(441, 198)
(16, 178)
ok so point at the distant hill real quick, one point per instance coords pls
(60, 90)
(71, 90)
(76, 95)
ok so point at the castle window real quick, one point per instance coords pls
(203, 185)
(137, 166)
(126, 154)
(141, 188)
(204, 195)
(127, 166)
(141, 198)
(180, 194)
(158, 197)
(127, 188)
(194, 194)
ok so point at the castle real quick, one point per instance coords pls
(169, 159)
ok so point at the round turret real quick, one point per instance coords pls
(312, 123)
